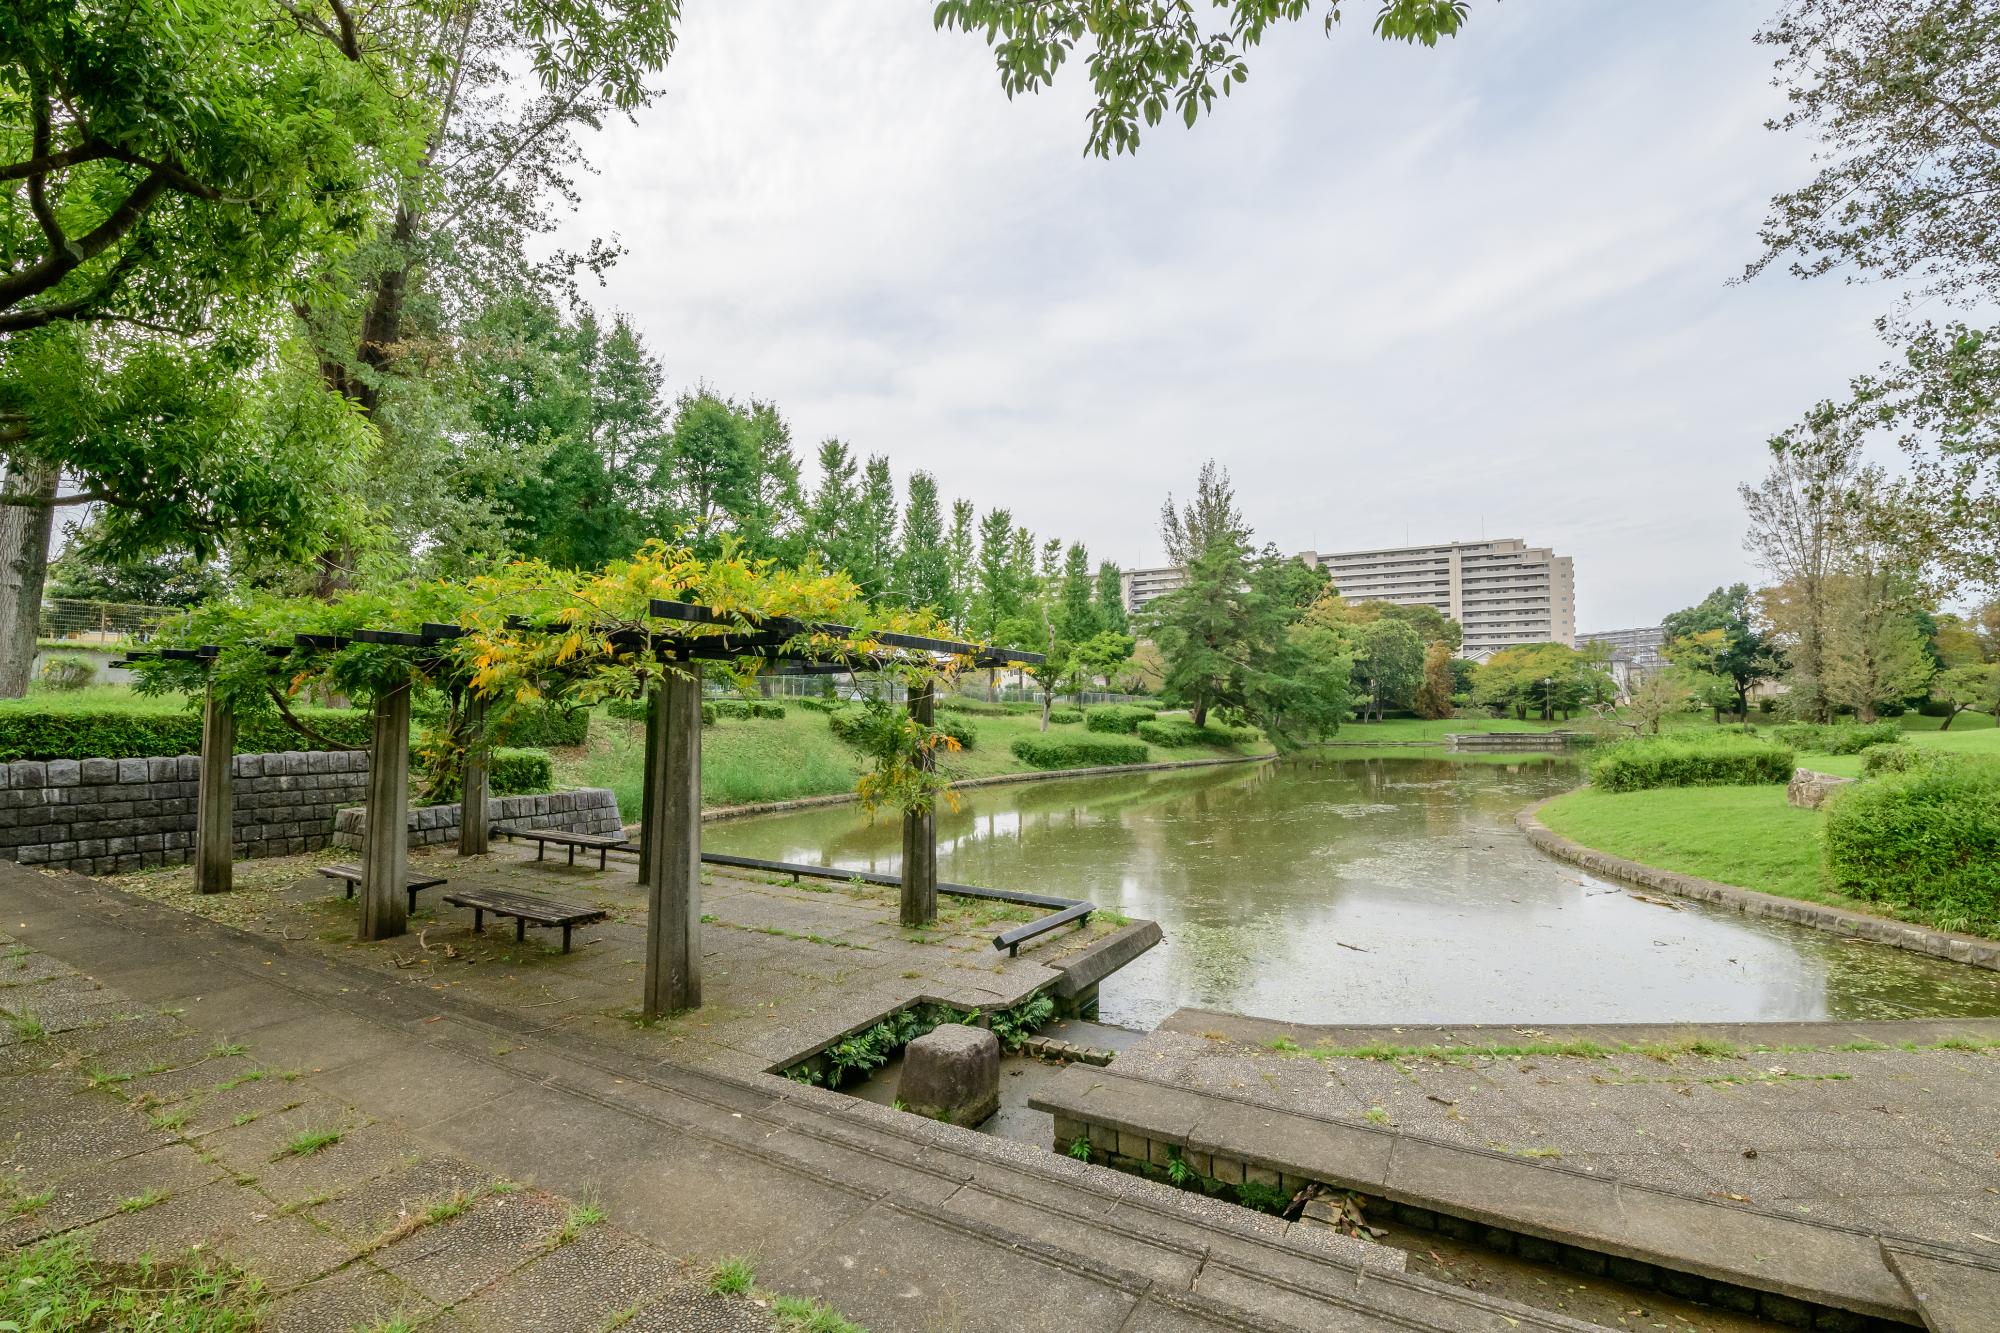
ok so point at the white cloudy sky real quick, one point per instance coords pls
(1479, 289)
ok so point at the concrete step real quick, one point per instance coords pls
(694, 1160)
(1955, 1292)
(1816, 1263)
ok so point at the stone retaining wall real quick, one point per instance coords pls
(102, 816)
(585, 810)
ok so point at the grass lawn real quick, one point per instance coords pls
(777, 759)
(1389, 731)
(93, 698)
(1747, 836)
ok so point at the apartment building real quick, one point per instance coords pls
(1640, 646)
(1141, 586)
(1502, 593)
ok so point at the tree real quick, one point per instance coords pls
(1966, 688)
(1076, 606)
(831, 518)
(87, 571)
(1896, 98)
(1545, 678)
(1206, 627)
(1144, 59)
(1103, 655)
(1740, 655)
(962, 558)
(997, 591)
(1802, 517)
(872, 546)
(1876, 651)
(769, 522)
(1307, 689)
(923, 568)
(1434, 695)
(1110, 598)
(1657, 696)
(1388, 665)
(178, 159)
(711, 467)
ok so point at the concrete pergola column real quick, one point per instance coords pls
(473, 819)
(385, 847)
(919, 898)
(670, 841)
(215, 799)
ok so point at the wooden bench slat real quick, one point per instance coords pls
(602, 843)
(524, 909)
(352, 876)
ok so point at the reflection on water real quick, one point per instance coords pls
(1379, 890)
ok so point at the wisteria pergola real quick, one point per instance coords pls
(665, 656)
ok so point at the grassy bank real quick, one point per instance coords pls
(1746, 836)
(779, 759)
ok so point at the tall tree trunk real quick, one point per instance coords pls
(24, 568)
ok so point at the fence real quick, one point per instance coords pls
(84, 622)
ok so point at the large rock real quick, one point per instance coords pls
(1809, 790)
(952, 1073)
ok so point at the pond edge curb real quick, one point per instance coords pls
(1951, 945)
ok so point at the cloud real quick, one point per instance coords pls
(1480, 288)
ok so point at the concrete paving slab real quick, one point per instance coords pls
(1956, 1293)
(359, 1296)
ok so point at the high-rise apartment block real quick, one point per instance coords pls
(1502, 593)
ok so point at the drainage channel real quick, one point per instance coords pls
(1578, 1284)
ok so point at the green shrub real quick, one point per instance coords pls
(959, 703)
(120, 733)
(626, 710)
(1711, 761)
(1062, 717)
(709, 715)
(68, 672)
(1179, 732)
(1073, 751)
(1117, 718)
(521, 772)
(846, 722)
(745, 709)
(1896, 758)
(1927, 839)
(961, 729)
(544, 724)
(816, 703)
(1839, 737)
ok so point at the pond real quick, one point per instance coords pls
(1375, 890)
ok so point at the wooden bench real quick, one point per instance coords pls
(352, 875)
(601, 843)
(525, 910)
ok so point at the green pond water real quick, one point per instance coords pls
(1376, 890)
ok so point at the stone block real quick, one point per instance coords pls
(1809, 790)
(64, 772)
(1104, 1138)
(1261, 1175)
(161, 769)
(1161, 1152)
(27, 773)
(132, 770)
(952, 1073)
(1228, 1170)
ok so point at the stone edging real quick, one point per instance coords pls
(1957, 947)
(1000, 779)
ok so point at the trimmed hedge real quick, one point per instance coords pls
(845, 724)
(521, 772)
(1178, 732)
(816, 703)
(1927, 839)
(961, 729)
(115, 733)
(626, 710)
(1896, 758)
(545, 724)
(1117, 719)
(1712, 761)
(1045, 750)
(1838, 737)
(1062, 717)
(744, 709)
